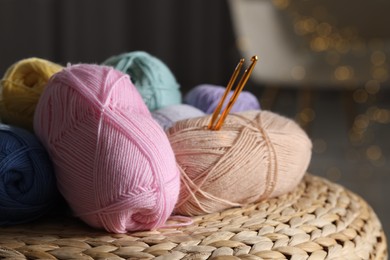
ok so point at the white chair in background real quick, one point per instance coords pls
(290, 57)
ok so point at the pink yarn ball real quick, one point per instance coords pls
(113, 162)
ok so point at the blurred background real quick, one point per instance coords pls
(323, 63)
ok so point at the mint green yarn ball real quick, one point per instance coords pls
(153, 79)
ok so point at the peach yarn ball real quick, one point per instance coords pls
(254, 156)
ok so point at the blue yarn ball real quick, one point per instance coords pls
(27, 181)
(153, 79)
(206, 97)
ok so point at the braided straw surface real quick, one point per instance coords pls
(318, 220)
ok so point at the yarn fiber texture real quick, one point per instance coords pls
(153, 79)
(27, 181)
(167, 116)
(21, 88)
(114, 164)
(206, 97)
(254, 156)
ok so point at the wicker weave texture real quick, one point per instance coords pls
(319, 220)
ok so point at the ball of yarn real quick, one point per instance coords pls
(114, 164)
(167, 116)
(27, 181)
(255, 155)
(153, 79)
(206, 97)
(21, 88)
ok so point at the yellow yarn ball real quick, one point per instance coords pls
(21, 88)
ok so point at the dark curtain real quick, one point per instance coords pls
(193, 37)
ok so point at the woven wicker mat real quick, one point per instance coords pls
(318, 220)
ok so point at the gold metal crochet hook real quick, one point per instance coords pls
(228, 88)
(233, 99)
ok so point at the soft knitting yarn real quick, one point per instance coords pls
(206, 97)
(27, 181)
(255, 155)
(167, 116)
(114, 164)
(153, 79)
(21, 88)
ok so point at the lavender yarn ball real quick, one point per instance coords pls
(167, 116)
(206, 97)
